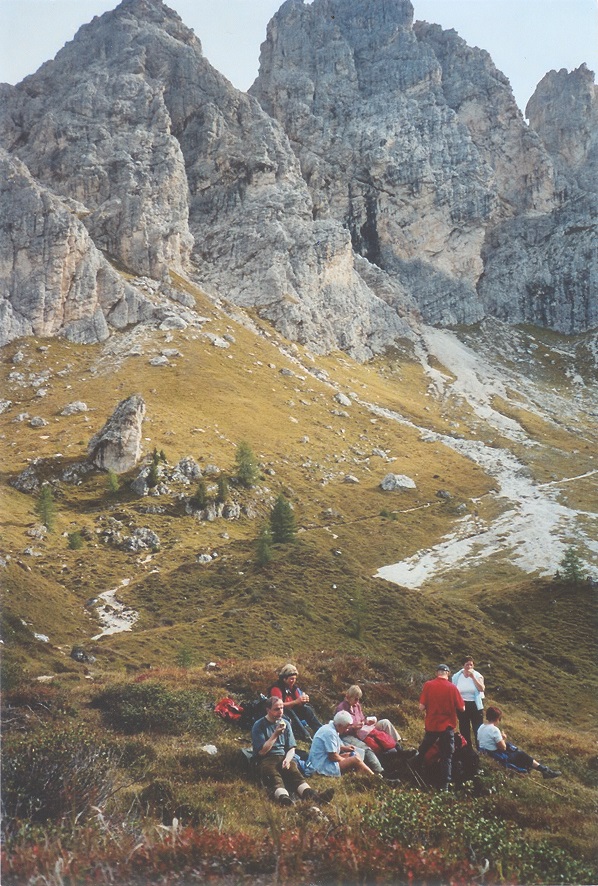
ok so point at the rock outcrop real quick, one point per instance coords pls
(379, 173)
(159, 151)
(413, 140)
(407, 136)
(544, 269)
(54, 279)
(564, 112)
(117, 446)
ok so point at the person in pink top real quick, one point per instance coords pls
(440, 701)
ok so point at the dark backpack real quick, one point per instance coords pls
(252, 711)
(466, 760)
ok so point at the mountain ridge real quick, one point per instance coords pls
(169, 168)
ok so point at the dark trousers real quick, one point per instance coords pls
(296, 715)
(513, 757)
(274, 776)
(446, 748)
(470, 721)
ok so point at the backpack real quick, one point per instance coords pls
(466, 760)
(252, 711)
(379, 741)
(229, 710)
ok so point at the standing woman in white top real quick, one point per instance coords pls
(470, 684)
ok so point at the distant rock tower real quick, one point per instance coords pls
(117, 447)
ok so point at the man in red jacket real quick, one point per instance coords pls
(440, 700)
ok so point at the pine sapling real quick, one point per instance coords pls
(45, 507)
(246, 465)
(282, 521)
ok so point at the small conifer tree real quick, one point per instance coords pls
(222, 495)
(75, 540)
(113, 482)
(264, 547)
(45, 507)
(282, 521)
(153, 478)
(199, 499)
(246, 465)
(572, 567)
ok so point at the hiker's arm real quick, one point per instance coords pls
(270, 742)
(478, 681)
(292, 702)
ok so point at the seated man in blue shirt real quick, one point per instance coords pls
(328, 755)
(274, 749)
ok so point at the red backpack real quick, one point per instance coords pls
(228, 709)
(379, 741)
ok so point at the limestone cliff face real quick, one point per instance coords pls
(544, 269)
(413, 140)
(482, 99)
(564, 112)
(378, 173)
(93, 126)
(54, 278)
(406, 135)
(380, 150)
(173, 168)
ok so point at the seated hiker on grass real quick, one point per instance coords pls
(274, 750)
(493, 742)
(362, 726)
(329, 755)
(297, 709)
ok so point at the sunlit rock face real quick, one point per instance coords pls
(117, 445)
(408, 136)
(544, 270)
(378, 174)
(55, 280)
(170, 167)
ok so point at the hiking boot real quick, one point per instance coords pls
(550, 773)
(310, 794)
(285, 800)
(393, 782)
(326, 796)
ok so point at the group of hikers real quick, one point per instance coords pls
(354, 742)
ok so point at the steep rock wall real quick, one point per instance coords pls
(161, 152)
(55, 281)
(378, 174)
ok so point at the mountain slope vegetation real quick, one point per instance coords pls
(198, 595)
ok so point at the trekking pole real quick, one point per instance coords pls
(550, 788)
(419, 781)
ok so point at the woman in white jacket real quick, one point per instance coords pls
(470, 684)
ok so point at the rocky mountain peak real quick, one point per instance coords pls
(564, 112)
(374, 177)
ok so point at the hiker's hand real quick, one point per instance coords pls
(304, 697)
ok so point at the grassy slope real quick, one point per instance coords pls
(317, 601)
